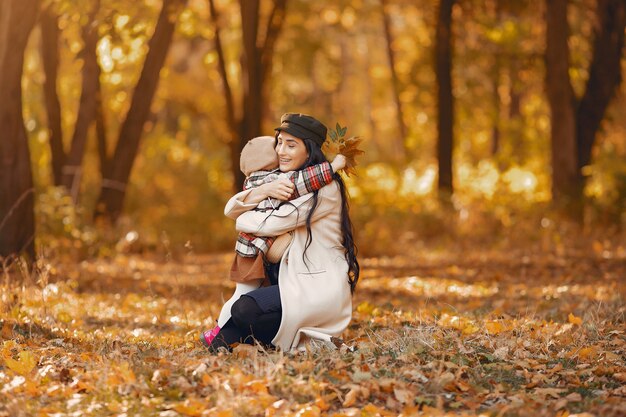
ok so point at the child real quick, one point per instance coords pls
(259, 162)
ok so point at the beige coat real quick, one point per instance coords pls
(314, 292)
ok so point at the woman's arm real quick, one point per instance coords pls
(290, 216)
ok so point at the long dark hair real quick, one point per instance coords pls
(316, 156)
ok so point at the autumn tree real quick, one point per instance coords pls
(604, 78)
(561, 100)
(17, 228)
(245, 122)
(117, 172)
(49, 24)
(445, 99)
(399, 144)
(67, 167)
(576, 120)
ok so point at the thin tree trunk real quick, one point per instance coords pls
(256, 68)
(515, 93)
(402, 151)
(274, 27)
(17, 223)
(50, 59)
(380, 149)
(72, 168)
(562, 101)
(445, 100)
(256, 62)
(101, 132)
(231, 118)
(111, 200)
(495, 79)
(604, 79)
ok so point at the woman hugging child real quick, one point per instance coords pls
(253, 254)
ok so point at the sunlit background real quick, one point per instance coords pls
(331, 60)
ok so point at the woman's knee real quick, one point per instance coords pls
(245, 312)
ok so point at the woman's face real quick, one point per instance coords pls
(292, 153)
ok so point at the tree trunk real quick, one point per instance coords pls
(562, 101)
(101, 132)
(515, 91)
(274, 27)
(445, 101)
(231, 118)
(497, 104)
(50, 60)
(252, 74)
(575, 124)
(17, 223)
(72, 168)
(604, 79)
(402, 151)
(256, 68)
(375, 142)
(496, 80)
(111, 200)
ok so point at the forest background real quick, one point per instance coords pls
(150, 138)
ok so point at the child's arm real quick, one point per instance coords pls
(313, 178)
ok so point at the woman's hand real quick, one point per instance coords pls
(280, 189)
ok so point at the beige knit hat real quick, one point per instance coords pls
(258, 155)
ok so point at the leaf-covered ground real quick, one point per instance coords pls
(495, 332)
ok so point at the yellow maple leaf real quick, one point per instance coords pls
(330, 149)
(123, 374)
(465, 325)
(257, 386)
(371, 410)
(348, 147)
(321, 403)
(365, 308)
(494, 327)
(574, 320)
(190, 407)
(469, 328)
(24, 365)
(588, 353)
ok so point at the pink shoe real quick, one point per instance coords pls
(207, 336)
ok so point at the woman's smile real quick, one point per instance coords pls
(292, 152)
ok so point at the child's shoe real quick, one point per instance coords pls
(207, 336)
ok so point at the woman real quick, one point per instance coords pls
(313, 283)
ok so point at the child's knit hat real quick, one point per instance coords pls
(258, 155)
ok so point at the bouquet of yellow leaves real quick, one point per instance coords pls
(339, 144)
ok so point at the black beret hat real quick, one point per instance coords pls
(303, 126)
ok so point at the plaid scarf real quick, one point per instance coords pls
(306, 181)
(249, 245)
